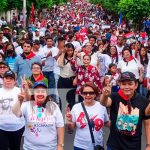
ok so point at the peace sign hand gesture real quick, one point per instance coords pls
(21, 96)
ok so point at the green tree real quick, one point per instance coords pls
(135, 10)
(3, 4)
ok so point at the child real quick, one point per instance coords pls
(113, 77)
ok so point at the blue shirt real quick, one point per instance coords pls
(10, 61)
(22, 67)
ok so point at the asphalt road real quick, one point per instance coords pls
(70, 137)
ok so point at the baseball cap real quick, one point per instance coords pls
(3, 63)
(36, 84)
(37, 30)
(127, 76)
(37, 42)
(9, 74)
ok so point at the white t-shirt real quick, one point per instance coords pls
(40, 54)
(148, 70)
(104, 61)
(77, 45)
(119, 50)
(19, 50)
(8, 121)
(98, 114)
(94, 60)
(56, 67)
(49, 63)
(41, 126)
(133, 66)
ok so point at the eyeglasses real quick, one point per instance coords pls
(88, 45)
(88, 93)
(3, 67)
(37, 68)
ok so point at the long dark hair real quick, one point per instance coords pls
(68, 45)
(116, 53)
(13, 52)
(143, 62)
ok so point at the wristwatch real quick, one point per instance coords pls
(62, 145)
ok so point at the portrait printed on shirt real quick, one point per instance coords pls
(5, 105)
(127, 119)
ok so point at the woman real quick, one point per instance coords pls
(97, 114)
(88, 51)
(113, 54)
(144, 63)
(37, 74)
(129, 63)
(85, 73)
(113, 39)
(67, 75)
(44, 125)
(10, 55)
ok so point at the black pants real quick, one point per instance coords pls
(67, 84)
(10, 139)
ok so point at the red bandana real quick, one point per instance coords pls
(41, 77)
(90, 67)
(131, 58)
(121, 94)
(31, 55)
(114, 56)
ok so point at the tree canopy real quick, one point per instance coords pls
(135, 10)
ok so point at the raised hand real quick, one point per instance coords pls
(24, 85)
(21, 96)
(107, 90)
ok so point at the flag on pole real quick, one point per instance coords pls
(120, 19)
(32, 16)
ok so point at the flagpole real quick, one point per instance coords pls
(24, 13)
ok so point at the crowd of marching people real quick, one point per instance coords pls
(77, 50)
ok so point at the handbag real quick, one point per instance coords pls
(96, 147)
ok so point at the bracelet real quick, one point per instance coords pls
(62, 145)
(147, 145)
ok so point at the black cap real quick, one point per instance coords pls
(9, 74)
(127, 76)
(3, 63)
(37, 42)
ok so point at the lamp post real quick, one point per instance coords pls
(24, 13)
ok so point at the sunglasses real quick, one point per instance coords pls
(88, 93)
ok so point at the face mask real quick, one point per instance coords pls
(9, 51)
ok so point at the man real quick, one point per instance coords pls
(38, 51)
(36, 35)
(48, 70)
(119, 46)
(92, 40)
(127, 111)
(24, 62)
(11, 127)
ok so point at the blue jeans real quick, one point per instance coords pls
(77, 148)
(51, 81)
